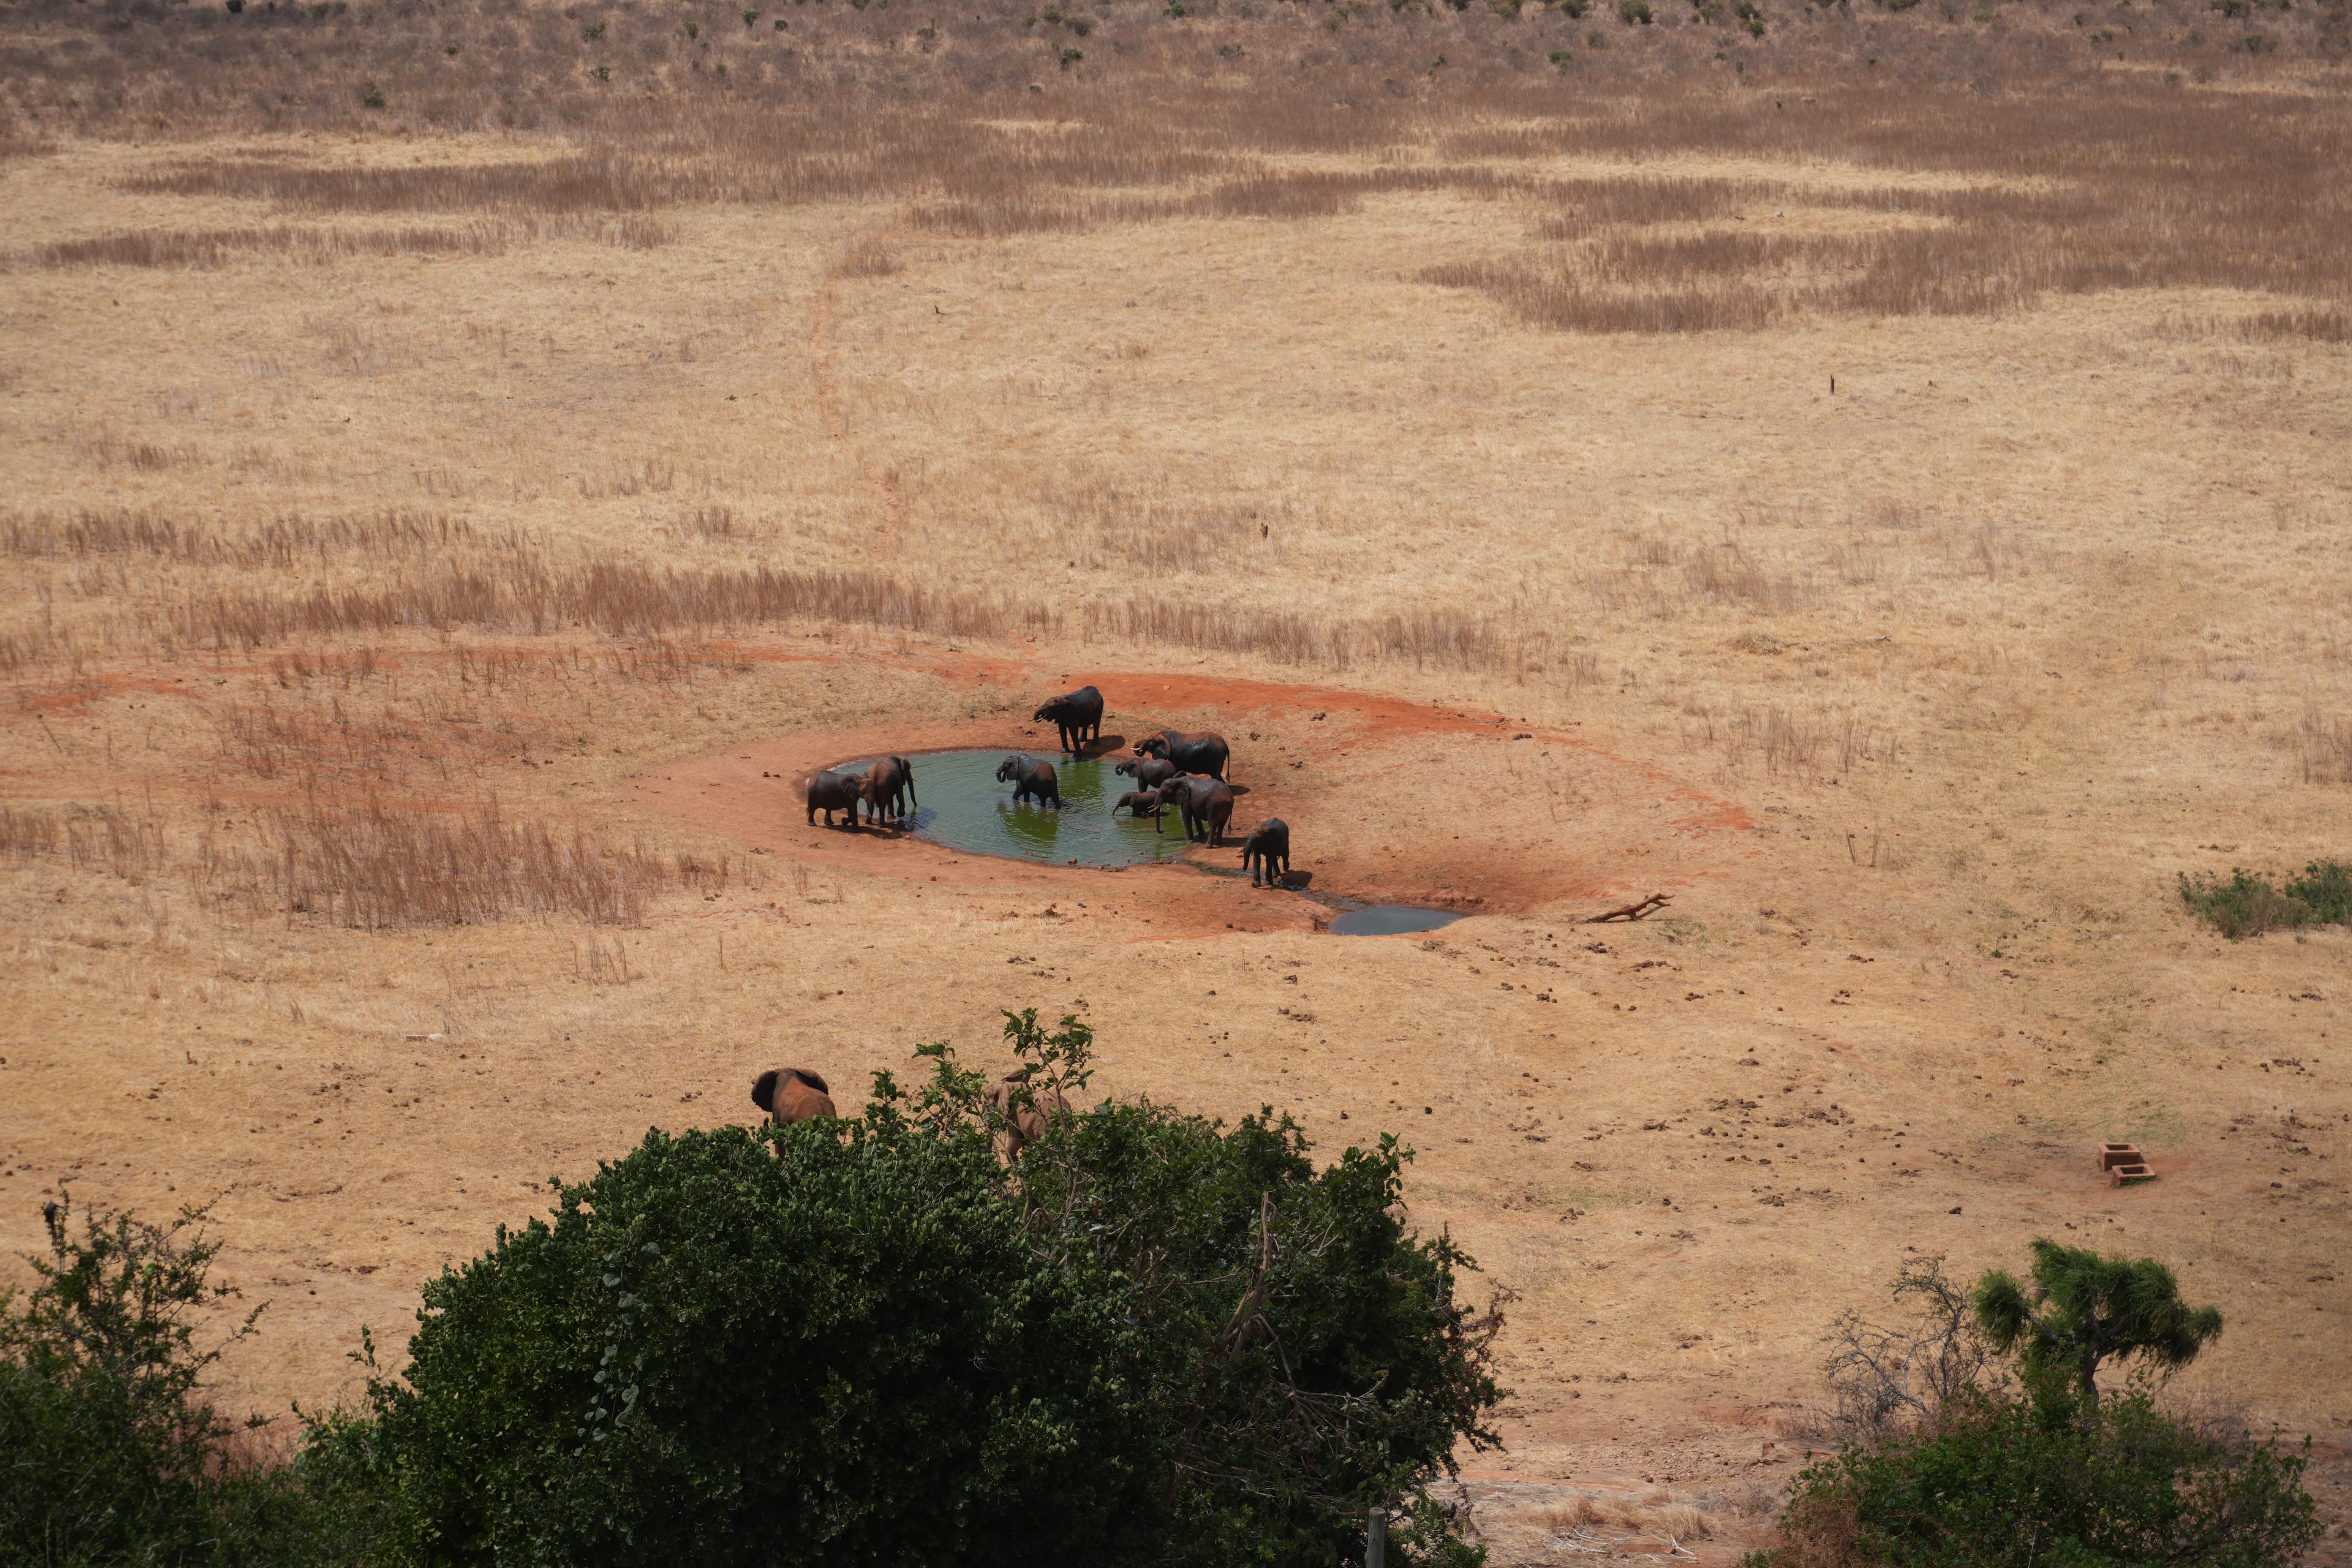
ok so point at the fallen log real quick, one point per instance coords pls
(1633, 912)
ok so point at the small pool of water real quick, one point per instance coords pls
(964, 807)
(1389, 919)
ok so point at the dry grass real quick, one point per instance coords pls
(1914, 633)
(369, 869)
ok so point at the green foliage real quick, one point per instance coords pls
(841, 1353)
(108, 1453)
(2092, 1308)
(1999, 1481)
(1631, 11)
(1310, 1357)
(1153, 1339)
(2250, 903)
(2326, 890)
(592, 31)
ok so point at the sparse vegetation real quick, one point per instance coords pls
(2251, 902)
(1944, 1468)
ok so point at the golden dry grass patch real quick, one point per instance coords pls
(1916, 694)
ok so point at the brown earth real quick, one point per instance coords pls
(1917, 655)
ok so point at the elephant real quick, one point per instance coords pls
(1204, 804)
(792, 1094)
(831, 792)
(1075, 713)
(1205, 753)
(1265, 848)
(1139, 803)
(1024, 1124)
(1030, 777)
(1148, 773)
(889, 782)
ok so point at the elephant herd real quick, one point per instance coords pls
(795, 1094)
(1173, 771)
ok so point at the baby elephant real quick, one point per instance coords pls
(1139, 803)
(1025, 1125)
(1266, 849)
(792, 1094)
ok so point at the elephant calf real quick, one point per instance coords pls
(1148, 773)
(1024, 1124)
(1139, 803)
(792, 1094)
(1266, 849)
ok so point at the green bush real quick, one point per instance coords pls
(1153, 1340)
(2250, 903)
(108, 1453)
(1632, 11)
(841, 1352)
(1996, 1481)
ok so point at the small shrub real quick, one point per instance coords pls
(592, 31)
(1997, 1479)
(1559, 57)
(1175, 8)
(749, 17)
(109, 1451)
(1070, 58)
(235, 6)
(370, 97)
(1632, 11)
(2326, 890)
(2250, 903)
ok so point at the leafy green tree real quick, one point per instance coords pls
(2086, 1309)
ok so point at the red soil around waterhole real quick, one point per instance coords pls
(1388, 801)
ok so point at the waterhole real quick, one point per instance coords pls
(1389, 919)
(964, 807)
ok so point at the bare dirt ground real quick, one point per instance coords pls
(1917, 695)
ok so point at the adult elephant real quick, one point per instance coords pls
(1205, 753)
(1077, 714)
(890, 783)
(832, 792)
(792, 1094)
(1206, 804)
(1021, 1112)
(1266, 848)
(1148, 773)
(1030, 778)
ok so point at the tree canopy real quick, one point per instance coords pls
(2086, 1309)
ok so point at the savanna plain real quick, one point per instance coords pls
(1877, 478)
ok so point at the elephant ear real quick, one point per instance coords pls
(763, 1091)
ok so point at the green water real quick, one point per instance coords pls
(1390, 919)
(964, 807)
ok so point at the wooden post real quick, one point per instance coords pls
(1376, 1540)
